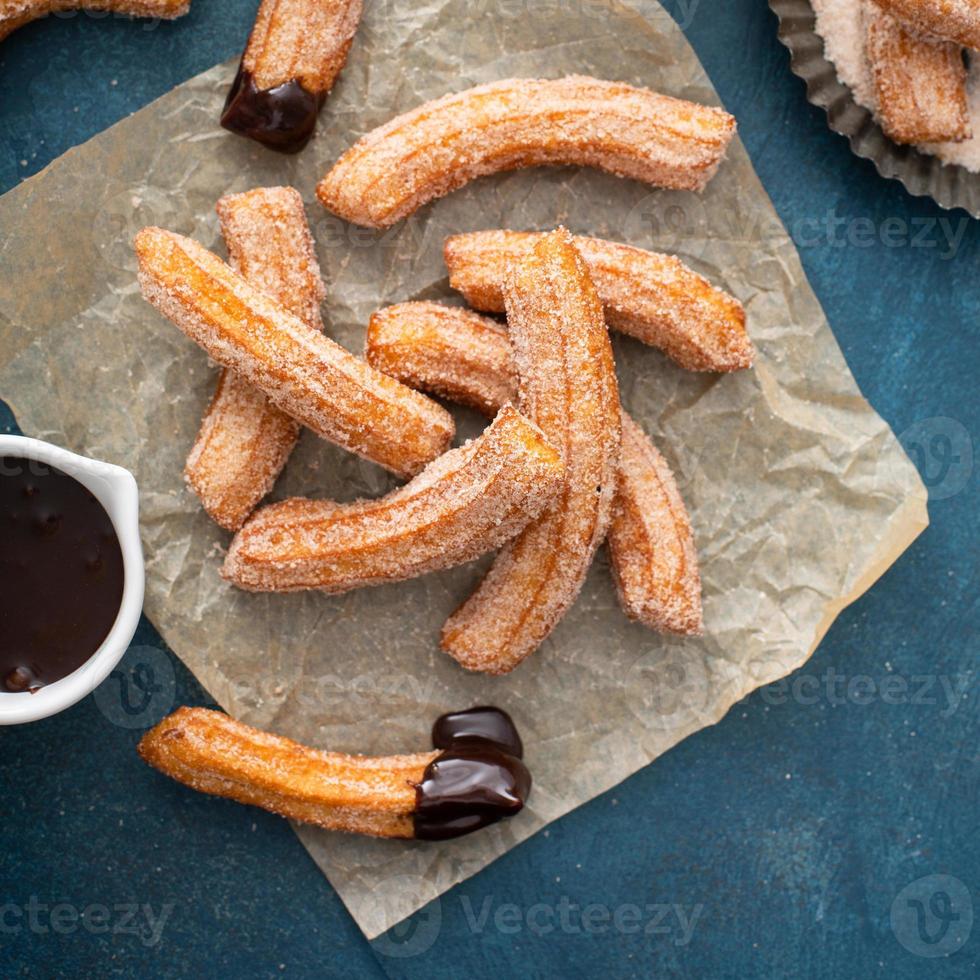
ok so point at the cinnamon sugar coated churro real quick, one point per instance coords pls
(654, 298)
(467, 358)
(567, 384)
(441, 145)
(446, 351)
(294, 53)
(337, 395)
(469, 501)
(951, 20)
(245, 440)
(651, 543)
(473, 781)
(17, 13)
(920, 84)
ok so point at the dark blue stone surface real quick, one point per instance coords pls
(800, 837)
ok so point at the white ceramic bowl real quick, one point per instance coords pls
(114, 488)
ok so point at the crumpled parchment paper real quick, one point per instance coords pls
(799, 493)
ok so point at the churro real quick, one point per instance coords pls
(467, 358)
(651, 543)
(567, 384)
(337, 395)
(472, 782)
(17, 13)
(469, 501)
(950, 20)
(652, 297)
(244, 439)
(522, 122)
(293, 56)
(920, 84)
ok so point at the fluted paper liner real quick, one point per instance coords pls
(799, 493)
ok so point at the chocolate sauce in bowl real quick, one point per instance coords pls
(476, 780)
(61, 574)
(282, 118)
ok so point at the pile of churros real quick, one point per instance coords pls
(915, 49)
(561, 466)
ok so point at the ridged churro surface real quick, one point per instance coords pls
(522, 122)
(469, 501)
(652, 297)
(920, 84)
(337, 395)
(17, 13)
(567, 385)
(305, 40)
(245, 439)
(212, 753)
(950, 20)
(467, 359)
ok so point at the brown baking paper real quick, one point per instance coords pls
(799, 493)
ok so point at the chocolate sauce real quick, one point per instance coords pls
(61, 574)
(477, 780)
(282, 118)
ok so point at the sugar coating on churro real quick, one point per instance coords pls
(568, 386)
(920, 84)
(337, 395)
(244, 439)
(444, 351)
(949, 20)
(305, 40)
(467, 358)
(215, 754)
(441, 145)
(17, 13)
(651, 543)
(652, 297)
(469, 501)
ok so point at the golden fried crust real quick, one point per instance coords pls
(445, 351)
(950, 20)
(654, 298)
(213, 753)
(469, 501)
(651, 542)
(17, 13)
(568, 387)
(337, 395)
(244, 439)
(306, 40)
(920, 84)
(467, 358)
(524, 122)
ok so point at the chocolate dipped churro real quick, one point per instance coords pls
(474, 778)
(294, 53)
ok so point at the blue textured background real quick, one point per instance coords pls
(785, 833)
